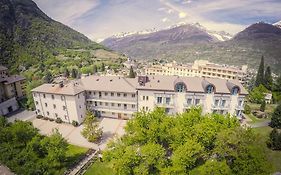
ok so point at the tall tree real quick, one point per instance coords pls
(260, 74)
(276, 118)
(102, 69)
(74, 73)
(262, 107)
(66, 72)
(268, 81)
(132, 73)
(91, 130)
(48, 77)
(95, 69)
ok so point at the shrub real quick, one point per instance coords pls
(39, 116)
(58, 120)
(51, 119)
(247, 109)
(75, 123)
(274, 141)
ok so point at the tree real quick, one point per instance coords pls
(48, 77)
(212, 167)
(260, 74)
(95, 69)
(66, 72)
(74, 73)
(247, 109)
(263, 105)
(277, 84)
(257, 94)
(91, 130)
(276, 118)
(268, 81)
(102, 68)
(274, 141)
(132, 73)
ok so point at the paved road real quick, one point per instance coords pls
(22, 115)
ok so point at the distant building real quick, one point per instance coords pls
(268, 98)
(119, 97)
(200, 68)
(11, 89)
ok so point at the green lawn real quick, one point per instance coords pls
(255, 119)
(269, 108)
(99, 168)
(273, 156)
(72, 155)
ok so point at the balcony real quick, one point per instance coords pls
(220, 107)
(164, 105)
(109, 100)
(113, 109)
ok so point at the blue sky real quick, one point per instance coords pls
(99, 19)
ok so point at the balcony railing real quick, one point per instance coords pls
(220, 106)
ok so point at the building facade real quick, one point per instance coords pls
(11, 88)
(200, 68)
(119, 97)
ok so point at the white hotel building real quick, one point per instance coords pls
(119, 97)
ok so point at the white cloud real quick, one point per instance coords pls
(165, 20)
(66, 11)
(182, 15)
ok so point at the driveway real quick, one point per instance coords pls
(260, 124)
(22, 115)
(111, 128)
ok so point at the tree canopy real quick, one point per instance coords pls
(276, 117)
(188, 143)
(260, 74)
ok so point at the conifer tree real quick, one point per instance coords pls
(132, 73)
(260, 74)
(268, 81)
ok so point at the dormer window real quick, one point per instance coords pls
(210, 89)
(235, 91)
(180, 87)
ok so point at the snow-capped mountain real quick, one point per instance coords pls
(278, 24)
(142, 32)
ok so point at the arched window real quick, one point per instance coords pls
(180, 87)
(235, 90)
(210, 89)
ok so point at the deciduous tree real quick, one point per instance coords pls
(91, 131)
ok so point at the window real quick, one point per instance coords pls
(46, 104)
(133, 95)
(44, 95)
(100, 103)
(146, 108)
(223, 103)
(217, 102)
(56, 115)
(106, 104)
(119, 105)
(34, 94)
(133, 106)
(96, 104)
(167, 110)
(78, 96)
(235, 91)
(112, 104)
(146, 97)
(65, 117)
(125, 106)
(159, 100)
(240, 103)
(48, 113)
(54, 106)
(189, 101)
(197, 101)
(143, 97)
(168, 100)
(90, 93)
(105, 94)
(80, 106)
(210, 89)
(125, 95)
(94, 93)
(100, 94)
(180, 87)
(112, 94)
(64, 108)
(62, 98)
(38, 111)
(36, 102)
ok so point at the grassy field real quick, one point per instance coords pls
(269, 108)
(99, 168)
(72, 155)
(273, 156)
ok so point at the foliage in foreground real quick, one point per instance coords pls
(188, 143)
(274, 141)
(27, 152)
